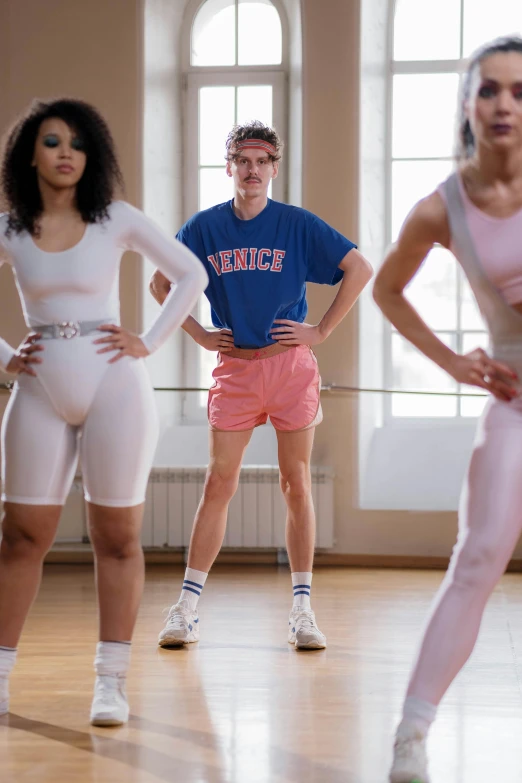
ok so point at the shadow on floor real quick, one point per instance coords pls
(283, 765)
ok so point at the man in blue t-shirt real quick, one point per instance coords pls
(259, 254)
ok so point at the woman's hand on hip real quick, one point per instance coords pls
(123, 341)
(295, 333)
(478, 369)
(26, 356)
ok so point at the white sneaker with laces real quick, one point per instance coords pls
(109, 705)
(303, 630)
(4, 695)
(410, 762)
(181, 626)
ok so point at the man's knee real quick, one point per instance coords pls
(221, 484)
(296, 483)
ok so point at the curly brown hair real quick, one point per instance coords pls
(254, 130)
(18, 178)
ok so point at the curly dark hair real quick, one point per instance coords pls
(254, 130)
(18, 178)
(503, 45)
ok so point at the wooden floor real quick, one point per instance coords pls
(242, 706)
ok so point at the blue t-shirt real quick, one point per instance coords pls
(258, 269)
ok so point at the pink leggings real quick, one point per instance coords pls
(490, 522)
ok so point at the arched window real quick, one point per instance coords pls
(237, 32)
(235, 70)
(430, 43)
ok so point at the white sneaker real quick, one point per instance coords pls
(181, 626)
(4, 695)
(303, 630)
(109, 705)
(410, 762)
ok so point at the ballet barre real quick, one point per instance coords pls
(326, 387)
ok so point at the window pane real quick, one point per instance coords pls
(214, 34)
(260, 33)
(204, 316)
(413, 371)
(424, 110)
(484, 21)
(433, 291)
(473, 340)
(473, 406)
(470, 316)
(216, 118)
(411, 181)
(207, 360)
(215, 187)
(254, 102)
(427, 30)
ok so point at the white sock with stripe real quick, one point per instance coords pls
(302, 584)
(193, 584)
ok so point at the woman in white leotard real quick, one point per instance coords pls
(82, 388)
(477, 213)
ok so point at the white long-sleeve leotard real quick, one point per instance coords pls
(82, 283)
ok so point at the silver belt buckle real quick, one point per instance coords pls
(68, 329)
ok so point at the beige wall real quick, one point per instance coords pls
(89, 50)
(94, 50)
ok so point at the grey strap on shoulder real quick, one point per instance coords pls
(492, 305)
(460, 235)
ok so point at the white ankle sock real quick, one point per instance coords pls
(302, 584)
(7, 660)
(112, 658)
(193, 584)
(417, 716)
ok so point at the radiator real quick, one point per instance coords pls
(256, 516)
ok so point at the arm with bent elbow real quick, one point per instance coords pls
(357, 274)
(426, 226)
(219, 340)
(177, 264)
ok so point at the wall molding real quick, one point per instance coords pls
(82, 553)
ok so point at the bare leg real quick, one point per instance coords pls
(295, 449)
(27, 534)
(116, 538)
(226, 454)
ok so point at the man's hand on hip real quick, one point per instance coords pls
(221, 340)
(295, 333)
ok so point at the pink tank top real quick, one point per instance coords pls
(498, 243)
(486, 250)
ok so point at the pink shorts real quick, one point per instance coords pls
(285, 387)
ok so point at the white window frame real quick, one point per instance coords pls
(194, 82)
(418, 67)
(194, 78)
